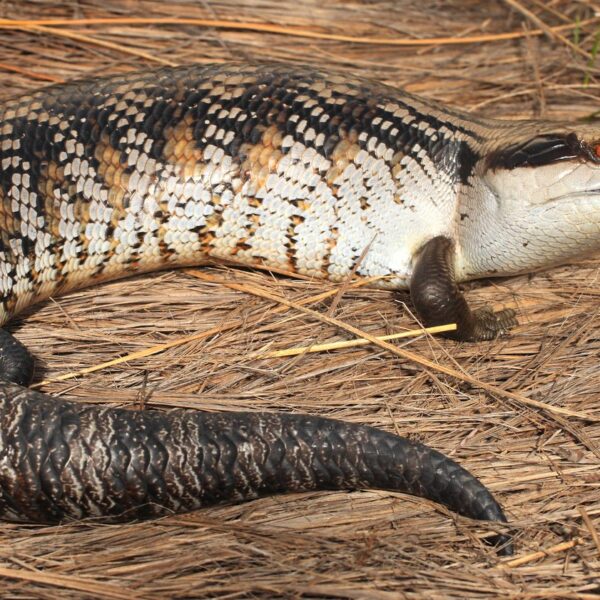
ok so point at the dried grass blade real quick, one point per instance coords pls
(292, 31)
(352, 343)
(406, 354)
(157, 349)
(97, 588)
(523, 560)
(549, 31)
(65, 33)
(31, 74)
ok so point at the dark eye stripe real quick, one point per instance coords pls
(539, 151)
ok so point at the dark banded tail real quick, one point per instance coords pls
(62, 460)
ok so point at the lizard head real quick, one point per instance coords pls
(534, 202)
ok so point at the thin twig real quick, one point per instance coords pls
(30, 74)
(532, 50)
(590, 526)
(352, 343)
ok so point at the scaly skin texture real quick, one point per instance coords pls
(284, 166)
(273, 165)
(263, 164)
(60, 460)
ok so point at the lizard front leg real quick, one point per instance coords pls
(439, 301)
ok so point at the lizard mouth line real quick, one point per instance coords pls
(574, 195)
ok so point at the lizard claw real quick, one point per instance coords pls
(489, 324)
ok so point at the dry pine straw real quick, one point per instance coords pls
(542, 466)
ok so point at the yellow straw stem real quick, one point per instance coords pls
(352, 343)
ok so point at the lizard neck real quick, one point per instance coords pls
(533, 200)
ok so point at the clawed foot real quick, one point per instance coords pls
(488, 324)
(438, 300)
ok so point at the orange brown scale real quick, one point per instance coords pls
(343, 154)
(207, 232)
(9, 222)
(52, 178)
(181, 148)
(259, 161)
(331, 244)
(182, 155)
(8, 230)
(295, 221)
(112, 169)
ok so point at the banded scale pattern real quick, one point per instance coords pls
(277, 165)
(62, 460)
(148, 463)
